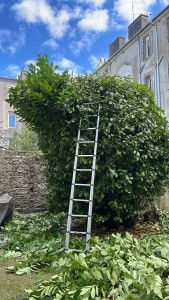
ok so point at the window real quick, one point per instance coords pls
(148, 82)
(147, 46)
(11, 120)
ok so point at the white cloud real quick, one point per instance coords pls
(11, 41)
(124, 8)
(165, 2)
(97, 3)
(34, 11)
(95, 20)
(4, 37)
(18, 41)
(59, 25)
(85, 43)
(13, 70)
(30, 61)
(1, 7)
(68, 65)
(50, 43)
(117, 25)
(94, 60)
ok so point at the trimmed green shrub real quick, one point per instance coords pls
(133, 148)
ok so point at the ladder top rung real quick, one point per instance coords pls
(80, 216)
(82, 184)
(84, 170)
(85, 155)
(78, 232)
(81, 200)
(86, 142)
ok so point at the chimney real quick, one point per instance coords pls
(23, 73)
(137, 25)
(116, 45)
(100, 63)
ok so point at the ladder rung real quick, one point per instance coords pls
(81, 200)
(82, 184)
(78, 232)
(85, 155)
(89, 128)
(75, 250)
(90, 116)
(84, 170)
(86, 142)
(80, 216)
(90, 103)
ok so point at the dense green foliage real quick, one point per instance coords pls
(133, 150)
(24, 140)
(115, 268)
(39, 237)
(25, 232)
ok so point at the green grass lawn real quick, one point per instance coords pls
(12, 286)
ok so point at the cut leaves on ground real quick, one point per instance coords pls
(120, 267)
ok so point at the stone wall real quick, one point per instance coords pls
(22, 177)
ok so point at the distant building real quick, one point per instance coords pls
(145, 56)
(8, 119)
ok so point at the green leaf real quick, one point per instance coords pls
(93, 293)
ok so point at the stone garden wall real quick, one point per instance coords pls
(22, 177)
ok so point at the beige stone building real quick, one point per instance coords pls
(8, 119)
(145, 56)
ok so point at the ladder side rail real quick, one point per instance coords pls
(72, 193)
(89, 223)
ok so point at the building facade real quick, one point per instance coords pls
(8, 119)
(145, 56)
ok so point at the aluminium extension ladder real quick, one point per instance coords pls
(91, 185)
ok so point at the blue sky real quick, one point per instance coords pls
(73, 33)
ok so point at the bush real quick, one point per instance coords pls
(24, 140)
(133, 148)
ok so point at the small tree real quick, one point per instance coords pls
(24, 140)
(133, 149)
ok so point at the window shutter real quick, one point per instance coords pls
(151, 41)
